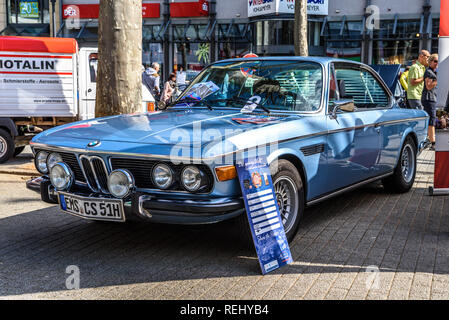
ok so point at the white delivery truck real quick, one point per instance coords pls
(45, 82)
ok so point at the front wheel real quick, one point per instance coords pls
(289, 192)
(404, 174)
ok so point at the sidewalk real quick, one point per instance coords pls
(23, 164)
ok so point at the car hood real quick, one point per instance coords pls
(193, 127)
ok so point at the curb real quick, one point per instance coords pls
(20, 172)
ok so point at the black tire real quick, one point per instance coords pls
(6, 146)
(18, 150)
(286, 179)
(405, 172)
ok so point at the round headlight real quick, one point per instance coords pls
(61, 176)
(191, 178)
(162, 176)
(53, 159)
(120, 183)
(40, 161)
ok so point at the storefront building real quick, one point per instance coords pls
(192, 33)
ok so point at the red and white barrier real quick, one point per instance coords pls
(441, 172)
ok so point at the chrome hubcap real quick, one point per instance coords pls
(3, 146)
(287, 200)
(407, 163)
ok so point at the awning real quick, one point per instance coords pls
(41, 30)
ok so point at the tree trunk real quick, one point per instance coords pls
(119, 79)
(300, 32)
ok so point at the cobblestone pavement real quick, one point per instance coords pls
(403, 237)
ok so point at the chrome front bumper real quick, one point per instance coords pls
(156, 209)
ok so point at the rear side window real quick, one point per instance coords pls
(363, 87)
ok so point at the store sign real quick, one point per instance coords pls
(183, 9)
(29, 9)
(264, 7)
(91, 11)
(263, 214)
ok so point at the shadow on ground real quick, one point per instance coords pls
(345, 234)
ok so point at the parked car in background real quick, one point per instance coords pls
(326, 126)
(45, 82)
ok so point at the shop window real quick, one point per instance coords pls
(234, 40)
(396, 42)
(28, 11)
(344, 39)
(435, 34)
(274, 37)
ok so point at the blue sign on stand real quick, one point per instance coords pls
(263, 214)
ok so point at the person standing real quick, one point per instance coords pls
(154, 80)
(416, 80)
(169, 91)
(429, 96)
(404, 78)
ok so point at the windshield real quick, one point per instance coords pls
(270, 84)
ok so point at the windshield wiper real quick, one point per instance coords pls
(243, 100)
(191, 100)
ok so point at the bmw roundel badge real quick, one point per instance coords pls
(93, 143)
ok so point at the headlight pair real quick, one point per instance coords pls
(44, 161)
(192, 178)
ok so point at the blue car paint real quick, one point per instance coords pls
(357, 145)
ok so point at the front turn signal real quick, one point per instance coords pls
(150, 107)
(226, 173)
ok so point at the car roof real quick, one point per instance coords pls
(321, 60)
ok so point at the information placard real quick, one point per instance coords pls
(263, 214)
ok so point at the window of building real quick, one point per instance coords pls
(434, 35)
(344, 39)
(274, 37)
(234, 40)
(28, 11)
(191, 48)
(396, 42)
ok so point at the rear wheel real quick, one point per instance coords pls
(404, 174)
(6, 146)
(289, 192)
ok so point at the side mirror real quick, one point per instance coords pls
(346, 105)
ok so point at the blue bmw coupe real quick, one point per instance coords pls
(325, 125)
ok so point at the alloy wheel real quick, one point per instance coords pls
(287, 199)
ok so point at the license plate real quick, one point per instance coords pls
(92, 208)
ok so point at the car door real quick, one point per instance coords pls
(88, 82)
(354, 138)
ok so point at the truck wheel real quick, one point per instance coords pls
(18, 151)
(6, 146)
(289, 191)
(404, 174)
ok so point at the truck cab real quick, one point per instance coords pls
(45, 82)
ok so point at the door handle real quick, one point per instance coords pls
(377, 127)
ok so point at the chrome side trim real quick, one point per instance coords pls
(201, 160)
(346, 189)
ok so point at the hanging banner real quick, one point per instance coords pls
(263, 214)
